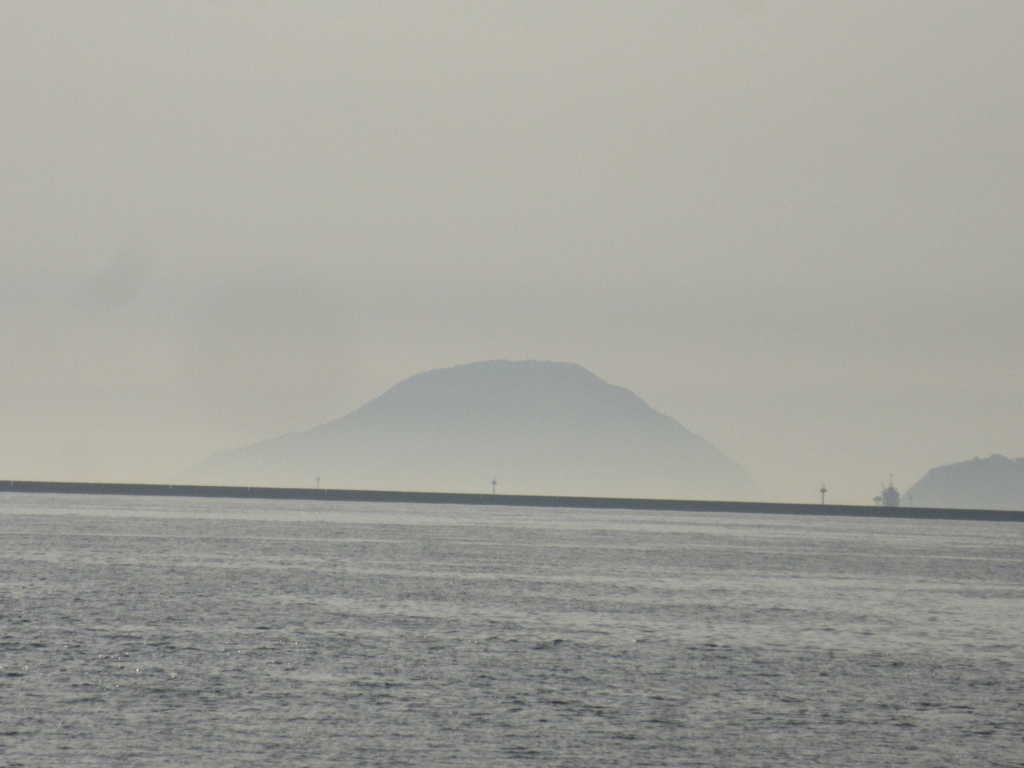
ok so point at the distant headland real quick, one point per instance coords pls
(994, 483)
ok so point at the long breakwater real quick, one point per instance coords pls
(512, 500)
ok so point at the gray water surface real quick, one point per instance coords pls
(192, 632)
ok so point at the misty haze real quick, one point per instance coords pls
(689, 253)
(792, 227)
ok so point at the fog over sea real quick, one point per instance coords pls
(196, 632)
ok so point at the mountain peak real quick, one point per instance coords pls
(539, 426)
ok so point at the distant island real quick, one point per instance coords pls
(993, 483)
(531, 427)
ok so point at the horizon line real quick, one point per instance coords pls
(497, 499)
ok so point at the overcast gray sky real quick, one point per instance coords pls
(796, 227)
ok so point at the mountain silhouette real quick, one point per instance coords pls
(538, 427)
(993, 483)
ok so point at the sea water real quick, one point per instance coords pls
(189, 632)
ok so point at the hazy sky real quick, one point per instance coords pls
(796, 227)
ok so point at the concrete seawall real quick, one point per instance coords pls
(585, 502)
